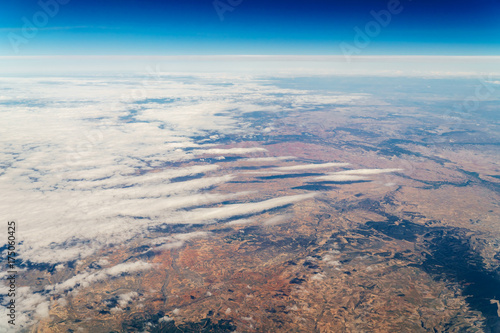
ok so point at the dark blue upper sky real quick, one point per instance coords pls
(147, 27)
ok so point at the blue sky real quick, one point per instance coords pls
(146, 27)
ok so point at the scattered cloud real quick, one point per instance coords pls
(312, 166)
(230, 151)
(354, 175)
(240, 222)
(366, 171)
(176, 241)
(278, 219)
(269, 159)
(165, 319)
(126, 298)
(318, 277)
(340, 178)
(227, 211)
(83, 280)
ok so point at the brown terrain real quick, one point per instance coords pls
(415, 250)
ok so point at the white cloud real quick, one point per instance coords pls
(241, 221)
(278, 219)
(366, 171)
(90, 276)
(269, 159)
(227, 211)
(191, 235)
(318, 277)
(116, 310)
(42, 310)
(126, 298)
(230, 151)
(354, 175)
(177, 240)
(331, 260)
(340, 178)
(311, 166)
